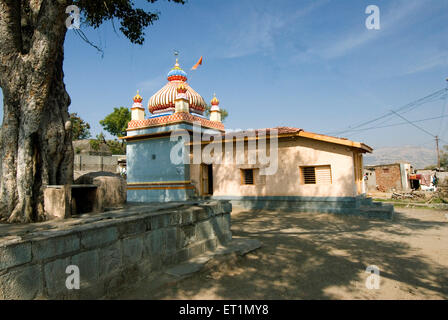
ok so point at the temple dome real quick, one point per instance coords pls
(164, 99)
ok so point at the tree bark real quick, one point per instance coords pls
(35, 148)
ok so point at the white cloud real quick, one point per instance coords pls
(440, 60)
(258, 30)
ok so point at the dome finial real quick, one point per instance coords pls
(177, 73)
(181, 88)
(138, 98)
(214, 101)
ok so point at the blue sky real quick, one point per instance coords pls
(307, 64)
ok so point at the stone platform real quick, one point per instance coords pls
(113, 250)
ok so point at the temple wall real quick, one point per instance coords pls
(149, 161)
(152, 175)
(286, 181)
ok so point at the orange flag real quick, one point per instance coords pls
(197, 64)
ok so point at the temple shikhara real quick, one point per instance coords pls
(314, 172)
(151, 175)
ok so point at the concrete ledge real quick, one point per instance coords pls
(112, 250)
(360, 205)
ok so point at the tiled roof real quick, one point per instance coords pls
(290, 131)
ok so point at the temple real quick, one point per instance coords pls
(312, 171)
(151, 175)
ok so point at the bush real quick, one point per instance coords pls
(95, 144)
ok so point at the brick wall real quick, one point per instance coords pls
(388, 177)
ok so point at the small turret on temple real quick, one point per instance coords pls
(182, 103)
(215, 111)
(137, 109)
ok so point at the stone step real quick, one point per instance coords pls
(239, 246)
(377, 212)
(366, 201)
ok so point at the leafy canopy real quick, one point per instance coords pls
(116, 122)
(132, 20)
(80, 128)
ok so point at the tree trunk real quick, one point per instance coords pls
(35, 148)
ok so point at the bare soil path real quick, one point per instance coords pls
(324, 256)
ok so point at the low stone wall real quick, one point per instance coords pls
(88, 163)
(112, 250)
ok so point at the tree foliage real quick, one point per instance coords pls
(132, 20)
(443, 159)
(116, 122)
(80, 128)
(116, 147)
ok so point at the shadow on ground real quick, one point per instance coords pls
(324, 256)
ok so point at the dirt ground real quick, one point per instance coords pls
(324, 256)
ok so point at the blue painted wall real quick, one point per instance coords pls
(149, 161)
(141, 167)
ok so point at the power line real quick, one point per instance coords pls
(399, 124)
(442, 93)
(444, 107)
(427, 132)
(413, 124)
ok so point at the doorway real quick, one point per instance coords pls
(207, 179)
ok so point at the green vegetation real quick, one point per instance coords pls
(116, 122)
(95, 144)
(114, 146)
(80, 128)
(443, 159)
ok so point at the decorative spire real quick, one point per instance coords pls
(176, 65)
(181, 88)
(138, 98)
(215, 111)
(214, 101)
(176, 73)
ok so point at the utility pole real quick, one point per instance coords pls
(438, 153)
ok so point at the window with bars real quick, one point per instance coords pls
(247, 176)
(316, 175)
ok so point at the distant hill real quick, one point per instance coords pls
(418, 157)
